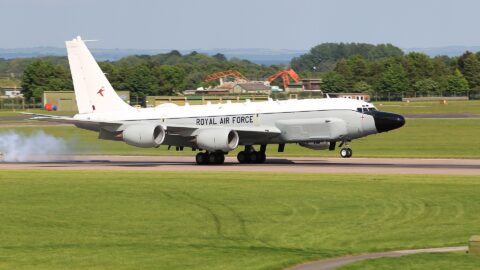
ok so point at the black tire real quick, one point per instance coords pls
(221, 159)
(242, 157)
(212, 158)
(218, 158)
(202, 158)
(350, 152)
(261, 157)
(253, 156)
(344, 153)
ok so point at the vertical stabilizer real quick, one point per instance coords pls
(93, 91)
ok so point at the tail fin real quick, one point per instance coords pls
(93, 92)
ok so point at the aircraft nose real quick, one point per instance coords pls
(385, 121)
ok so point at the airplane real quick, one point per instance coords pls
(217, 129)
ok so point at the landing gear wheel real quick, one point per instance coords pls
(221, 159)
(349, 154)
(261, 157)
(242, 157)
(216, 158)
(212, 158)
(202, 158)
(346, 152)
(253, 156)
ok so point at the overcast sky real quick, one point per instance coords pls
(208, 24)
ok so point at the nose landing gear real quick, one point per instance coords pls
(346, 152)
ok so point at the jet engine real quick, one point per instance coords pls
(217, 139)
(144, 135)
(315, 145)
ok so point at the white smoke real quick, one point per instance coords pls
(17, 147)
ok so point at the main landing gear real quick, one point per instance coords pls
(249, 155)
(210, 158)
(252, 156)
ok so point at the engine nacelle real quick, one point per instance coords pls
(217, 139)
(315, 145)
(144, 135)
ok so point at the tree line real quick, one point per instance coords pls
(143, 75)
(385, 69)
(343, 67)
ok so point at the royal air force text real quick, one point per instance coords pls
(224, 120)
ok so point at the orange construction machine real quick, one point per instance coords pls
(285, 74)
(226, 73)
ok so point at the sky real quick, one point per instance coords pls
(210, 24)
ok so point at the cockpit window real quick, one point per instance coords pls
(366, 109)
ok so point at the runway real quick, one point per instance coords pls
(274, 164)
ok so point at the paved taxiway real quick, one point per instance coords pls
(273, 164)
(330, 264)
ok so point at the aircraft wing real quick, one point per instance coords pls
(247, 134)
(186, 130)
(71, 120)
(173, 129)
(253, 134)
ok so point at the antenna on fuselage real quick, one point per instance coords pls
(326, 94)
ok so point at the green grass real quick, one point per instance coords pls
(435, 107)
(176, 220)
(437, 261)
(425, 108)
(9, 82)
(431, 138)
(40, 111)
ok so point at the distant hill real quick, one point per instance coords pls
(100, 54)
(255, 55)
(449, 50)
(258, 56)
(325, 56)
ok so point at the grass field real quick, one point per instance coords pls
(421, 108)
(40, 111)
(175, 220)
(425, 108)
(437, 138)
(458, 261)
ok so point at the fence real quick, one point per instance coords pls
(395, 96)
(15, 104)
(18, 103)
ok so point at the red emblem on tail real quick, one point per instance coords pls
(100, 92)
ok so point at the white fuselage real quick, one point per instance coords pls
(263, 115)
